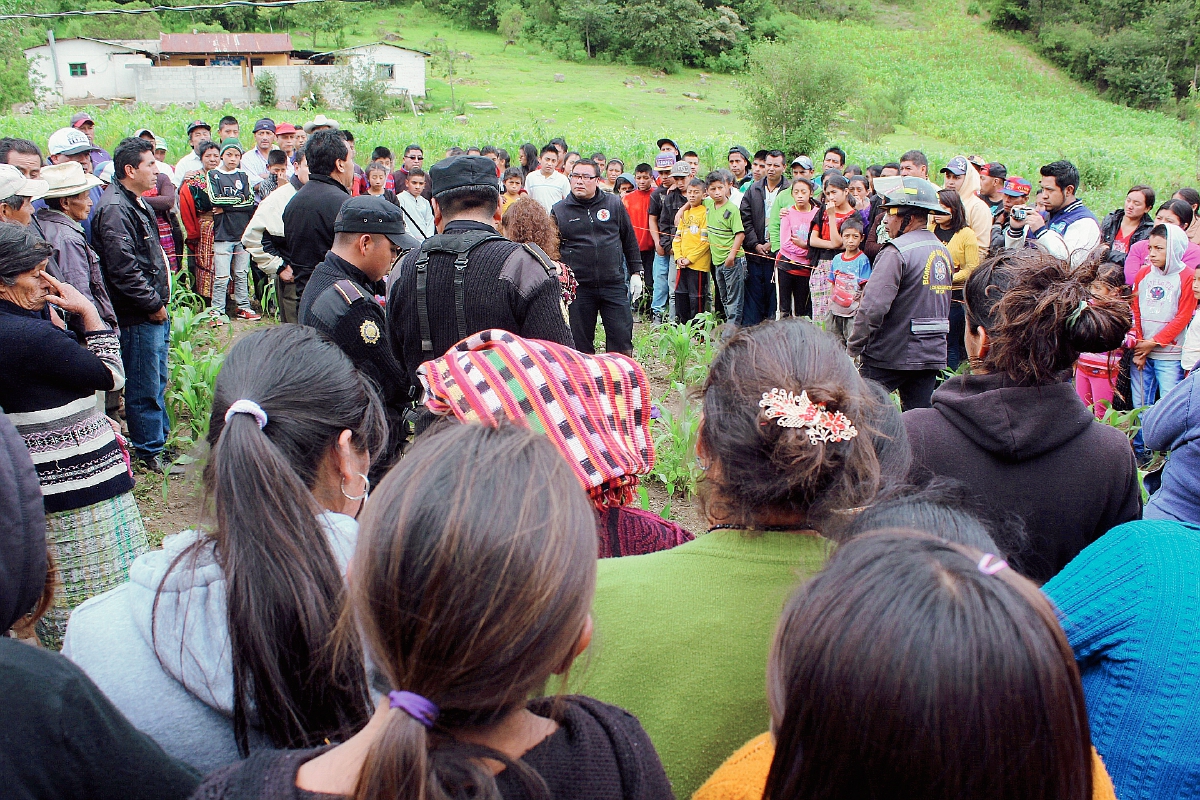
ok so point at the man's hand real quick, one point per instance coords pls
(286, 275)
(635, 286)
(1142, 351)
(658, 248)
(160, 315)
(1034, 221)
(763, 249)
(731, 259)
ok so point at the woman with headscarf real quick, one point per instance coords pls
(48, 387)
(196, 210)
(594, 408)
(64, 739)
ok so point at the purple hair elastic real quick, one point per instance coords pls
(416, 706)
(989, 567)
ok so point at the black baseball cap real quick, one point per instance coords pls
(198, 124)
(743, 152)
(995, 170)
(671, 142)
(369, 214)
(457, 172)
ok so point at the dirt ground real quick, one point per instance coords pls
(182, 505)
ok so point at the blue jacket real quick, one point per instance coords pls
(1173, 425)
(1128, 604)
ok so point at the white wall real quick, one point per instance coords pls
(408, 67)
(107, 74)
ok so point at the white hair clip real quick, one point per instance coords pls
(797, 411)
(990, 564)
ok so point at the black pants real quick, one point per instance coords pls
(691, 293)
(758, 300)
(794, 298)
(915, 385)
(647, 279)
(611, 302)
(956, 349)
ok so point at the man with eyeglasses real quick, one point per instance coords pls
(340, 299)
(414, 158)
(598, 242)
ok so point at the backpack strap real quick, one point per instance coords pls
(460, 243)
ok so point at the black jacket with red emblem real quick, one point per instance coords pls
(597, 238)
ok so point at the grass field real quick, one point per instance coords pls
(972, 91)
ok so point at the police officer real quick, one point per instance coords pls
(340, 299)
(468, 277)
(902, 324)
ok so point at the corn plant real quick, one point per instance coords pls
(675, 445)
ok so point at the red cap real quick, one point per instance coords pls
(284, 128)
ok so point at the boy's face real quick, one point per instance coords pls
(851, 239)
(718, 191)
(231, 158)
(624, 190)
(494, 158)
(387, 163)
(513, 185)
(758, 168)
(416, 185)
(694, 195)
(549, 161)
(1157, 252)
(643, 180)
(229, 131)
(279, 171)
(694, 161)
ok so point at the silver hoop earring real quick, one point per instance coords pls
(366, 492)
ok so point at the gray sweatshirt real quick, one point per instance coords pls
(176, 686)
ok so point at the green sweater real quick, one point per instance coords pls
(682, 637)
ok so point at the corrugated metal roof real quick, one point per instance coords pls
(225, 43)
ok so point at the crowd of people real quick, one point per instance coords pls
(425, 571)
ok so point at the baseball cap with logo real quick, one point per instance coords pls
(804, 162)
(198, 124)
(1016, 186)
(265, 124)
(79, 119)
(994, 170)
(977, 162)
(958, 165)
(682, 169)
(14, 184)
(664, 163)
(69, 142)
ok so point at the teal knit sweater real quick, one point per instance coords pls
(1130, 605)
(682, 638)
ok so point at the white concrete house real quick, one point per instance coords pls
(76, 69)
(402, 68)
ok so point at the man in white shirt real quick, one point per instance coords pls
(254, 163)
(547, 185)
(418, 213)
(189, 165)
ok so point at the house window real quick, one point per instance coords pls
(256, 62)
(385, 72)
(197, 62)
(78, 70)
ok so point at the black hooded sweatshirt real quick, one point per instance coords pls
(599, 752)
(60, 737)
(1033, 451)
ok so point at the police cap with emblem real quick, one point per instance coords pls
(370, 214)
(460, 172)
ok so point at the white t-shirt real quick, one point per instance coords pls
(189, 163)
(547, 191)
(165, 169)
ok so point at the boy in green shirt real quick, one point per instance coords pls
(725, 235)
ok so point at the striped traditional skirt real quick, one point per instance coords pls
(93, 547)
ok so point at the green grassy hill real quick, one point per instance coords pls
(972, 91)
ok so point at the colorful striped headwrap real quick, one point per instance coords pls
(594, 408)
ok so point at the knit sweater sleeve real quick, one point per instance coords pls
(535, 298)
(55, 357)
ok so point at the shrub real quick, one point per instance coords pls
(792, 92)
(265, 84)
(366, 93)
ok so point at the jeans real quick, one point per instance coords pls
(956, 350)
(1146, 383)
(841, 328)
(731, 282)
(611, 302)
(915, 385)
(225, 256)
(144, 353)
(664, 285)
(758, 299)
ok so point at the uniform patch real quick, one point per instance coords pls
(603, 215)
(369, 331)
(937, 273)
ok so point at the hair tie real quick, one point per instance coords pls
(247, 407)
(989, 567)
(797, 411)
(1074, 318)
(416, 706)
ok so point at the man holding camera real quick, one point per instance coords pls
(1070, 231)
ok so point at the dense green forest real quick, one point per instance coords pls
(1139, 52)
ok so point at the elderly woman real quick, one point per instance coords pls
(68, 204)
(48, 387)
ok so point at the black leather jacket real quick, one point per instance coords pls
(125, 235)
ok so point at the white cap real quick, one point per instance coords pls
(69, 142)
(13, 183)
(160, 144)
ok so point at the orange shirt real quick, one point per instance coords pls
(637, 203)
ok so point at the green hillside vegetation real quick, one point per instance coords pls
(946, 82)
